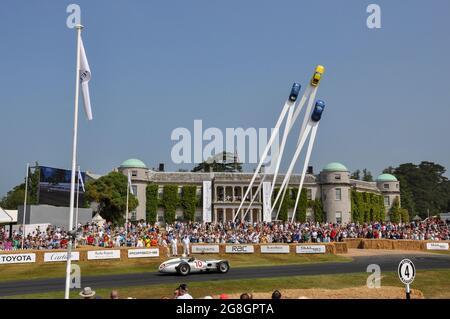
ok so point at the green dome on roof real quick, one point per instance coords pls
(133, 163)
(387, 178)
(335, 167)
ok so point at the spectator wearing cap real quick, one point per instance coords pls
(87, 293)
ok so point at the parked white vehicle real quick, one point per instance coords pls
(185, 266)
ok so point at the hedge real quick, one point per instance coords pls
(189, 201)
(151, 206)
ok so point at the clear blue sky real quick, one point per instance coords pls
(158, 65)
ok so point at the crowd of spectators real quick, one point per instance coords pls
(142, 234)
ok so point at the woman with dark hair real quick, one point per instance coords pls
(276, 295)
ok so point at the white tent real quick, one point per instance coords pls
(8, 216)
(98, 220)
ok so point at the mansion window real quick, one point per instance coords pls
(387, 201)
(386, 186)
(309, 193)
(338, 194)
(134, 173)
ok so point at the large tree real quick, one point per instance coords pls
(367, 175)
(423, 187)
(356, 174)
(15, 197)
(216, 164)
(110, 192)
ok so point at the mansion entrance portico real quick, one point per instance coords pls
(226, 201)
(225, 214)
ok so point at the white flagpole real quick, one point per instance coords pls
(25, 206)
(78, 202)
(74, 159)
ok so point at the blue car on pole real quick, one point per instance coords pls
(294, 92)
(318, 110)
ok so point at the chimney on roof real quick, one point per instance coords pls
(161, 167)
(310, 170)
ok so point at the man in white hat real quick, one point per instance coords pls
(87, 293)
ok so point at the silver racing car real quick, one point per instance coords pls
(185, 266)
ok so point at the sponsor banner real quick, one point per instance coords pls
(143, 253)
(205, 249)
(103, 254)
(207, 199)
(437, 246)
(17, 258)
(61, 256)
(310, 249)
(239, 249)
(275, 249)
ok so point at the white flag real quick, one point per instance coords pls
(85, 76)
(129, 184)
(80, 178)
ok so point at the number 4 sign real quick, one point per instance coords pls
(406, 273)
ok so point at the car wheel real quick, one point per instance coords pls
(223, 267)
(184, 269)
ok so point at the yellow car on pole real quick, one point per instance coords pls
(320, 70)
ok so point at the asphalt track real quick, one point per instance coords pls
(357, 265)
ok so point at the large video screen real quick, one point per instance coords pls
(54, 186)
